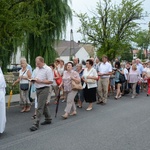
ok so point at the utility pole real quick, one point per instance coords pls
(71, 45)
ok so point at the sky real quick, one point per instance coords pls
(84, 6)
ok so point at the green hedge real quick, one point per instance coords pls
(9, 88)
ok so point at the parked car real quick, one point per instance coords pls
(14, 69)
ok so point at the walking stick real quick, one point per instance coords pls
(58, 98)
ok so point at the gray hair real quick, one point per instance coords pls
(80, 65)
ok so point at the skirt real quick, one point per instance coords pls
(89, 94)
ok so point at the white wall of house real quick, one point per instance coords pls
(82, 54)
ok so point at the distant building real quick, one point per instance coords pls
(66, 49)
(135, 53)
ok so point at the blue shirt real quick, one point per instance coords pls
(140, 68)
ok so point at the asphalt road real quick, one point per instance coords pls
(120, 125)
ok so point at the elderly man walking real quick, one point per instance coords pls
(104, 71)
(43, 79)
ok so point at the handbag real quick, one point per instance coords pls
(91, 81)
(24, 86)
(76, 86)
(59, 80)
(122, 78)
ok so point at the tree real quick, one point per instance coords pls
(142, 39)
(59, 13)
(16, 19)
(33, 25)
(112, 26)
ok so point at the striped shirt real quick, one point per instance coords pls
(44, 73)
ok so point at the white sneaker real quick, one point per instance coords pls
(133, 97)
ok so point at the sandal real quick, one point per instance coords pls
(73, 113)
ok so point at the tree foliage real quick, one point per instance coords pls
(112, 26)
(142, 39)
(33, 25)
(59, 13)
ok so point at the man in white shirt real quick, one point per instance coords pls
(104, 71)
(43, 80)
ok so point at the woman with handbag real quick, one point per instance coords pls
(24, 76)
(118, 71)
(89, 87)
(69, 76)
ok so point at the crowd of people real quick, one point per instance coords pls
(98, 80)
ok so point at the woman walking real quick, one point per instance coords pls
(24, 76)
(133, 79)
(68, 76)
(117, 71)
(89, 87)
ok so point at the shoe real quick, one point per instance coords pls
(34, 127)
(62, 97)
(89, 108)
(46, 122)
(119, 96)
(73, 113)
(63, 101)
(147, 94)
(133, 97)
(28, 108)
(116, 97)
(23, 110)
(33, 117)
(99, 102)
(103, 103)
(64, 116)
(79, 106)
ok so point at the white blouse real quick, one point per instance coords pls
(91, 73)
(23, 73)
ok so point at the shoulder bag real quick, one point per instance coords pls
(90, 81)
(24, 86)
(76, 86)
(122, 78)
(58, 80)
